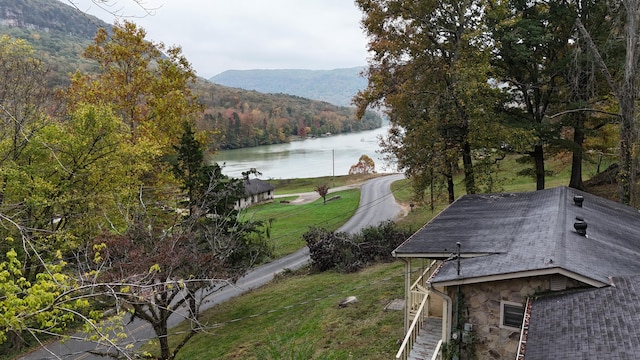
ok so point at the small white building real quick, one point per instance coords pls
(256, 191)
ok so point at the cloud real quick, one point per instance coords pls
(219, 35)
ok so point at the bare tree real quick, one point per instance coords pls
(323, 190)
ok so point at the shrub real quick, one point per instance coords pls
(351, 252)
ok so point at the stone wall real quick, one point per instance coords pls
(482, 303)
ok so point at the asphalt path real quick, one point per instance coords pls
(377, 204)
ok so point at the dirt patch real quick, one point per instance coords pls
(305, 198)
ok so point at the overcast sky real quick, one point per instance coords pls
(220, 35)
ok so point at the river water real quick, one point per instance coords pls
(324, 156)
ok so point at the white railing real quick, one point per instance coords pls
(414, 329)
(426, 275)
(436, 352)
(417, 304)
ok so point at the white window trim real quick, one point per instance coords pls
(511, 303)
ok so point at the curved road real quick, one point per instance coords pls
(377, 204)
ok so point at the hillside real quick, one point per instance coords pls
(59, 33)
(48, 16)
(337, 86)
(246, 118)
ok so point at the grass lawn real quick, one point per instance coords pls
(292, 186)
(288, 222)
(297, 317)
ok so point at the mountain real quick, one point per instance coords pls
(50, 17)
(59, 33)
(337, 86)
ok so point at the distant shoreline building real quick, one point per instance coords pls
(256, 192)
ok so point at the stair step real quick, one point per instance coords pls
(427, 339)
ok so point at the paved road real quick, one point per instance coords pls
(376, 205)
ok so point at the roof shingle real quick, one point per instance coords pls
(599, 323)
(520, 232)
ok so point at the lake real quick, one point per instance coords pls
(324, 156)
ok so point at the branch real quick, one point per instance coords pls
(603, 67)
(580, 110)
(109, 7)
(184, 342)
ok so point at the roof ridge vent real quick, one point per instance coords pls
(581, 226)
(578, 200)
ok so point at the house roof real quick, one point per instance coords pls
(256, 186)
(590, 324)
(511, 235)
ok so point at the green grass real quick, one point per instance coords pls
(292, 186)
(297, 317)
(288, 222)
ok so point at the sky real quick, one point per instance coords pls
(220, 35)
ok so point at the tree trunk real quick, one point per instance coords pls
(450, 189)
(161, 327)
(626, 178)
(576, 159)
(15, 339)
(625, 94)
(469, 176)
(163, 338)
(625, 174)
(538, 156)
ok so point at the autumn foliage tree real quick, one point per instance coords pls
(80, 210)
(622, 79)
(166, 261)
(58, 188)
(429, 69)
(365, 165)
(146, 84)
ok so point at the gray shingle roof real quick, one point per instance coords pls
(520, 232)
(256, 186)
(599, 323)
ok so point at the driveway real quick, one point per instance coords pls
(377, 204)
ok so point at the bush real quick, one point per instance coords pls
(351, 252)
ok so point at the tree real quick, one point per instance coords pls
(323, 190)
(351, 252)
(165, 261)
(23, 99)
(146, 84)
(365, 165)
(44, 306)
(530, 53)
(587, 93)
(69, 185)
(188, 166)
(429, 68)
(624, 90)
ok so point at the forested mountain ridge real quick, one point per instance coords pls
(60, 33)
(245, 118)
(48, 16)
(336, 86)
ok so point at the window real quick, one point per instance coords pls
(511, 314)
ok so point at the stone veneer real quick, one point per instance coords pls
(483, 306)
